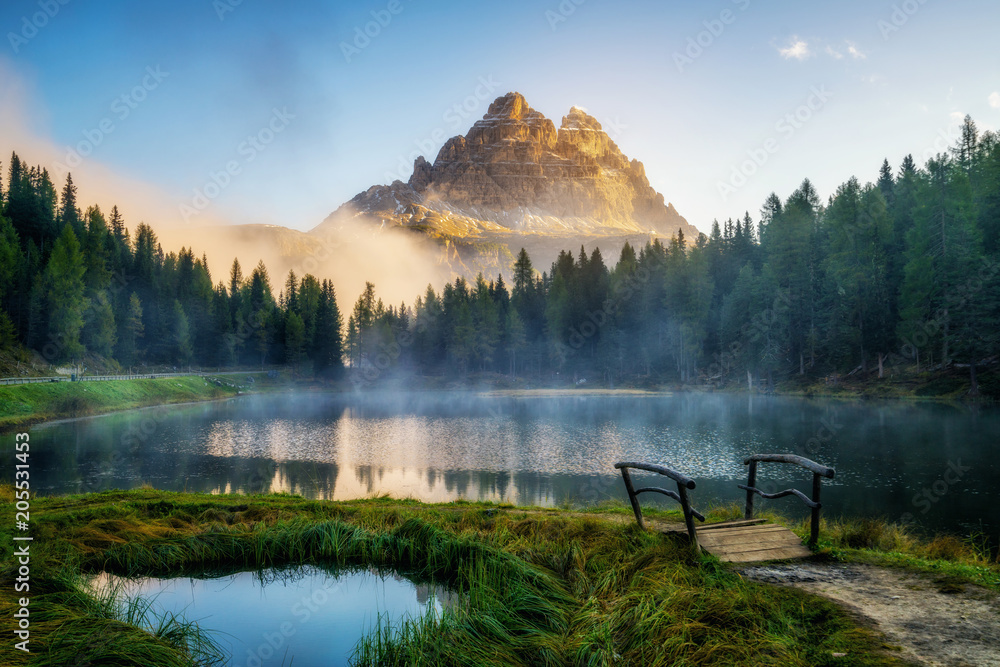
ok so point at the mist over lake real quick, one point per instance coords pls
(895, 460)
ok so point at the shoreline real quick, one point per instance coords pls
(593, 573)
(25, 405)
(64, 400)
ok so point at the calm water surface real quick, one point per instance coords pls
(304, 616)
(933, 463)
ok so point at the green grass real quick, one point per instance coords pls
(537, 587)
(904, 382)
(22, 404)
(877, 542)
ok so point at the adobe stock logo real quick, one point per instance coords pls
(786, 127)
(31, 25)
(363, 35)
(901, 15)
(926, 497)
(248, 150)
(122, 107)
(698, 44)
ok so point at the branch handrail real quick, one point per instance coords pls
(678, 477)
(684, 483)
(819, 471)
(812, 466)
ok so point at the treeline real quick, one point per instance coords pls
(75, 283)
(904, 270)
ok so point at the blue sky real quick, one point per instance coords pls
(711, 122)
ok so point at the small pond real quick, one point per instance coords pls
(303, 617)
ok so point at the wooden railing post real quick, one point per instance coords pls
(752, 483)
(688, 519)
(814, 529)
(632, 498)
(684, 483)
(819, 472)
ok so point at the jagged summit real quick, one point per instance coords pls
(510, 106)
(515, 173)
(579, 119)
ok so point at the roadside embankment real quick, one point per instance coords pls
(23, 404)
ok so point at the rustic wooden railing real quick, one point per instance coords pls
(680, 495)
(819, 472)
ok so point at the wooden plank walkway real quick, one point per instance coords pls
(751, 542)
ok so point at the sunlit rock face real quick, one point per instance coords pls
(514, 173)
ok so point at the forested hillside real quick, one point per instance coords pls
(902, 271)
(77, 283)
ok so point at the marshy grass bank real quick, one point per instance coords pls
(24, 404)
(535, 587)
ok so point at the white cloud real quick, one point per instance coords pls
(994, 99)
(798, 49)
(833, 53)
(855, 52)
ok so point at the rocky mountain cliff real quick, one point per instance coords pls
(515, 175)
(512, 181)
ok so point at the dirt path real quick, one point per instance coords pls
(935, 622)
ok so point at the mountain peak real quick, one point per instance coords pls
(579, 119)
(513, 172)
(512, 105)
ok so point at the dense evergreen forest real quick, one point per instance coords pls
(902, 271)
(77, 284)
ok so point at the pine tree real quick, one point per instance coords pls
(485, 323)
(771, 209)
(524, 275)
(182, 335)
(99, 333)
(942, 247)
(117, 224)
(261, 311)
(235, 279)
(328, 359)
(64, 287)
(10, 258)
(295, 339)
(95, 250)
(364, 316)
(886, 184)
(860, 234)
(514, 338)
(69, 213)
(429, 339)
(291, 293)
(310, 294)
(965, 152)
(353, 342)
(131, 331)
(790, 240)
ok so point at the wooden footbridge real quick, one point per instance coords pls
(748, 540)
